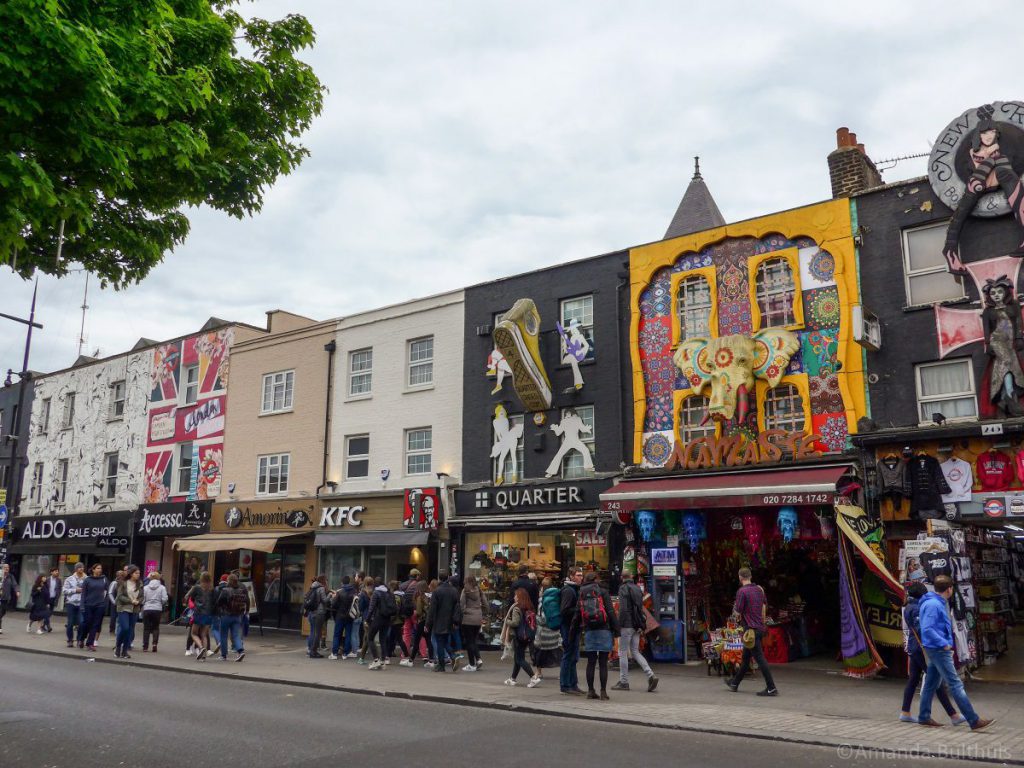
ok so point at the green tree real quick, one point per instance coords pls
(117, 114)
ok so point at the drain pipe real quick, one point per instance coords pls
(330, 348)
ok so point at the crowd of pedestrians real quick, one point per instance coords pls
(542, 627)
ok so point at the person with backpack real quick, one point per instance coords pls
(597, 622)
(344, 602)
(383, 609)
(442, 617)
(128, 603)
(547, 646)
(201, 596)
(916, 660)
(365, 597)
(72, 590)
(473, 605)
(94, 607)
(631, 626)
(112, 599)
(408, 606)
(218, 612)
(750, 610)
(568, 679)
(154, 600)
(234, 603)
(421, 602)
(397, 625)
(314, 605)
(521, 624)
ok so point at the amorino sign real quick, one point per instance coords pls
(236, 517)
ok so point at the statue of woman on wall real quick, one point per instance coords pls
(991, 162)
(1002, 323)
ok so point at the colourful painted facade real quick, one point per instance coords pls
(816, 244)
(187, 412)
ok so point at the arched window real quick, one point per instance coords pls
(776, 293)
(693, 304)
(692, 411)
(784, 409)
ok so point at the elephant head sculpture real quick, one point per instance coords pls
(729, 365)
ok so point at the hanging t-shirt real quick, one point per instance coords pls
(959, 478)
(1020, 465)
(995, 471)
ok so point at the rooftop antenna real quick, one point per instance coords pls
(85, 306)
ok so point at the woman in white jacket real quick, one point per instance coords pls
(154, 600)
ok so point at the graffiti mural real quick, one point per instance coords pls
(94, 411)
(185, 426)
(693, 296)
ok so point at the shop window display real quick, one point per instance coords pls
(495, 558)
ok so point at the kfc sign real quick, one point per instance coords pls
(422, 508)
(336, 517)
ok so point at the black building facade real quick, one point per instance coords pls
(13, 447)
(528, 494)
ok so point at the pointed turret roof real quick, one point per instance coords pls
(697, 210)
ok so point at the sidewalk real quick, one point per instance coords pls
(815, 707)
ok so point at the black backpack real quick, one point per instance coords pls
(311, 601)
(387, 607)
(238, 602)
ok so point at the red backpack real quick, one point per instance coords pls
(592, 612)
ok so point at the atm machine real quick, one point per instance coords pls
(669, 606)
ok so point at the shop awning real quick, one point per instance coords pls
(220, 542)
(411, 538)
(776, 487)
(64, 547)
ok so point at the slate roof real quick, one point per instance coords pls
(697, 210)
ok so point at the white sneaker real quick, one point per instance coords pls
(351, 656)
(387, 661)
(333, 657)
(428, 664)
(188, 652)
(377, 665)
(534, 682)
(39, 632)
(405, 663)
(479, 663)
(510, 681)
(469, 668)
(29, 627)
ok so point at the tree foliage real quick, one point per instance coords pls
(117, 114)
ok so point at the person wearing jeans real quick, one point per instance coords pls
(917, 664)
(94, 607)
(73, 601)
(235, 605)
(749, 609)
(631, 624)
(568, 679)
(128, 603)
(937, 640)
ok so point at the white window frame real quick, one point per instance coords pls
(411, 453)
(350, 457)
(420, 364)
(699, 310)
(60, 494)
(282, 382)
(361, 374)
(971, 392)
(68, 417)
(35, 494)
(179, 465)
(115, 401)
(187, 386)
(566, 315)
(909, 274)
(690, 429)
(264, 465)
(110, 480)
(764, 294)
(505, 472)
(44, 417)
(568, 470)
(792, 421)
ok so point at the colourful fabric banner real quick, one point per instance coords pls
(859, 654)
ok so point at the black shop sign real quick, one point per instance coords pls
(183, 518)
(89, 527)
(563, 496)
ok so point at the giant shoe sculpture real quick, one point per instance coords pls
(517, 337)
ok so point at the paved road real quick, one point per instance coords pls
(57, 713)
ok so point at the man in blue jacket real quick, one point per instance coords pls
(937, 639)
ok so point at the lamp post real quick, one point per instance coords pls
(14, 436)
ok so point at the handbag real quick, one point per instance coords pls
(650, 623)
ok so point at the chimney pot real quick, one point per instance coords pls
(861, 148)
(851, 171)
(853, 139)
(842, 137)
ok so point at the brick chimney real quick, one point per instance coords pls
(849, 167)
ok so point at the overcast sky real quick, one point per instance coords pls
(463, 141)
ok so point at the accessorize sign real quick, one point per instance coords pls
(185, 518)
